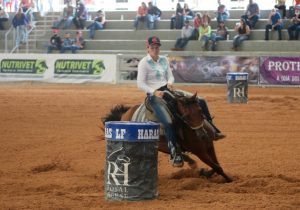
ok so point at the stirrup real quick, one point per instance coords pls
(177, 160)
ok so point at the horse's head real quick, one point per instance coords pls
(190, 111)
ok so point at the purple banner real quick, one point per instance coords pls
(280, 70)
(212, 69)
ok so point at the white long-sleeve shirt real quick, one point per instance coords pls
(153, 75)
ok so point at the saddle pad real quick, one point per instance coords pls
(142, 114)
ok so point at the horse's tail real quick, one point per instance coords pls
(115, 113)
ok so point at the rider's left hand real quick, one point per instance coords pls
(170, 86)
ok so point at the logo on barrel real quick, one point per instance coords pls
(117, 175)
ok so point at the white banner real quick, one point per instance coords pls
(58, 68)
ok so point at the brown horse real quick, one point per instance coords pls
(194, 132)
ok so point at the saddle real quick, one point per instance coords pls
(145, 113)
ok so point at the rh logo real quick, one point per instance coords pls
(117, 170)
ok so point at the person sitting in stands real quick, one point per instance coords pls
(3, 18)
(153, 16)
(55, 41)
(188, 14)
(206, 18)
(66, 20)
(281, 7)
(79, 42)
(252, 14)
(80, 16)
(222, 12)
(141, 15)
(197, 23)
(221, 34)
(275, 24)
(205, 35)
(68, 44)
(294, 29)
(243, 34)
(186, 33)
(177, 18)
(98, 23)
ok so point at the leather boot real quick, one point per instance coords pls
(175, 155)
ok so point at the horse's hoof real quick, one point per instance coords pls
(205, 173)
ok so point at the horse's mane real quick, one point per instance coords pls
(115, 113)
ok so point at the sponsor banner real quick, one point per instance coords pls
(196, 69)
(58, 68)
(212, 69)
(280, 70)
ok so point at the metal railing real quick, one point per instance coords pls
(10, 36)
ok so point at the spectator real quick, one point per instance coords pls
(243, 34)
(222, 12)
(177, 18)
(186, 34)
(80, 16)
(79, 42)
(296, 2)
(281, 7)
(206, 18)
(68, 44)
(3, 18)
(275, 23)
(252, 14)
(24, 4)
(30, 12)
(141, 15)
(20, 23)
(205, 35)
(153, 15)
(67, 17)
(55, 41)
(294, 29)
(98, 23)
(197, 23)
(188, 14)
(221, 34)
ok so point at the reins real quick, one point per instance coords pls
(172, 97)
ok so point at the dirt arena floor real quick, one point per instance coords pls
(51, 155)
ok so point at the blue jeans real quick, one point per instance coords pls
(238, 39)
(250, 21)
(72, 48)
(65, 22)
(181, 43)
(205, 40)
(21, 34)
(51, 48)
(222, 17)
(277, 28)
(294, 35)
(137, 20)
(93, 27)
(151, 21)
(215, 38)
(160, 111)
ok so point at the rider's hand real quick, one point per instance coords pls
(159, 93)
(170, 87)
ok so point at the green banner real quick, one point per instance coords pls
(72, 66)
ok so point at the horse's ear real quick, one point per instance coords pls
(194, 96)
